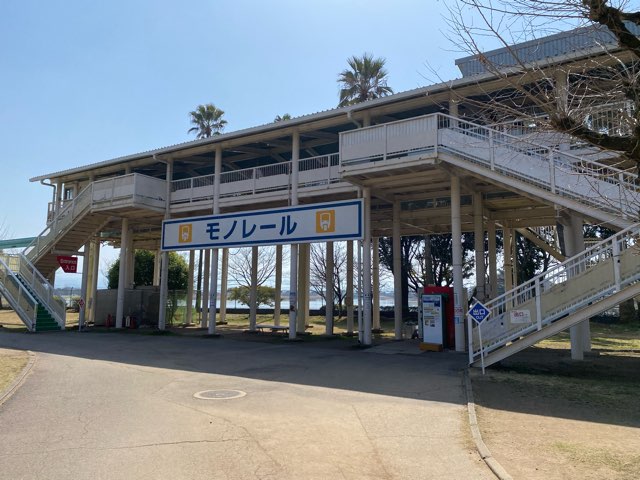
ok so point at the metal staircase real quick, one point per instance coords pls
(81, 217)
(599, 192)
(595, 280)
(570, 292)
(30, 295)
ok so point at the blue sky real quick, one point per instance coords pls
(82, 82)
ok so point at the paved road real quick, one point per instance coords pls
(122, 406)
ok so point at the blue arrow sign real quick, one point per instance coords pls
(479, 312)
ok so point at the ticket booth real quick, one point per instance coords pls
(448, 319)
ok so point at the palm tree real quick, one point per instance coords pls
(282, 118)
(208, 121)
(365, 79)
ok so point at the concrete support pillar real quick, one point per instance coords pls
(303, 287)
(86, 267)
(493, 264)
(164, 260)
(253, 290)
(453, 107)
(213, 292)
(375, 252)
(293, 257)
(366, 268)
(131, 263)
(478, 228)
(58, 202)
(192, 261)
(164, 290)
(574, 244)
(92, 303)
(213, 296)
(122, 271)
(199, 284)
(224, 285)
(397, 268)
(156, 268)
(456, 252)
(278, 286)
(204, 319)
(366, 119)
(508, 260)
(328, 317)
(349, 293)
(89, 259)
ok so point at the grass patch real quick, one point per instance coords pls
(624, 464)
(611, 338)
(11, 364)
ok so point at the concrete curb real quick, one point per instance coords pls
(484, 452)
(11, 389)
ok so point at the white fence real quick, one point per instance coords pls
(314, 171)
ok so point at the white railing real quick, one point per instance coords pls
(17, 295)
(587, 182)
(600, 270)
(314, 171)
(101, 195)
(38, 286)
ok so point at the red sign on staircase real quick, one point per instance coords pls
(68, 264)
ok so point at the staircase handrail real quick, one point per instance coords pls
(43, 289)
(519, 140)
(28, 319)
(63, 219)
(555, 275)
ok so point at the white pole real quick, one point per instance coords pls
(493, 264)
(278, 286)
(213, 295)
(224, 285)
(86, 261)
(94, 280)
(456, 252)
(192, 257)
(366, 258)
(397, 270)
(293, 257)
(205, 290)
(122, 272)
(349, 296)
(164, 290)
(328, 318)
(376, 284)
(478, 229)
(253, 292)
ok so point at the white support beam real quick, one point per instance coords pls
(456, 247)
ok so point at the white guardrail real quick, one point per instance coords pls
(101, 194)
(41, 288)
(600, 270)
(17, 295)
(314, 171)
(585, 181)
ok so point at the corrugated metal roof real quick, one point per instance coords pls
(592, 39)
(335, 112)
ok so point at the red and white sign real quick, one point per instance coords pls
(68, 264)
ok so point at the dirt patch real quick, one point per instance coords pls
(11, 364)
(544, 416)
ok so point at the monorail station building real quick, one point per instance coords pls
(425, 161)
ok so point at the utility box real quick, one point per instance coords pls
(448, 312)
(432, 320)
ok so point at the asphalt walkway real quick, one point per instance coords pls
(122, 406)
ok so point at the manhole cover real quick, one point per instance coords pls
(219, 394)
